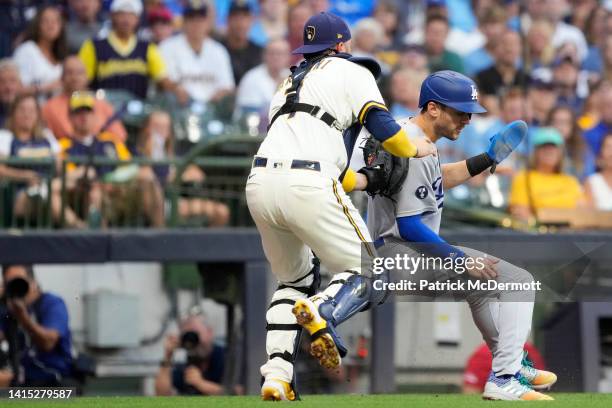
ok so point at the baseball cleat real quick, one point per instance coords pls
(511, 388)
(322, 345)
(539, 379)
(277, 390)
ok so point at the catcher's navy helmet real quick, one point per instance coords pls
(452, 89)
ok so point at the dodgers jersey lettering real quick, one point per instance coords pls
(421, 194)
(341, 88)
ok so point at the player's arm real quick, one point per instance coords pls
(365, 100)
(457, 173)
(412, 229)
(379, 122)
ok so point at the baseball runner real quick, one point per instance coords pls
(296, 194)
(407, 216)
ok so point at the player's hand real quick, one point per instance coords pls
(486, 269)
(425, 147)
(193, 375)
(170, 344)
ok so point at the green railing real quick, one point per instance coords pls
(15, 194)
(122, 193)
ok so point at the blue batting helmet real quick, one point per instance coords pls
(452, 89)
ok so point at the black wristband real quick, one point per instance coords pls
(478, 164)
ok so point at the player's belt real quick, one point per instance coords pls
(295, 164)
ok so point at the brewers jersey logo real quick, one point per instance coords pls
(310, 33)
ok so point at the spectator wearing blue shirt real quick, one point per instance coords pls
(542, 95)
(595, 33)
(595, 135)
(202, 373)
(40, 323)
(271, 22)
(578, 161)
(491, 24)
(405, 85)
(352, 11)
(570, 83)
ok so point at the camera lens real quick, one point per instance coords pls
(17, 288)
(190, 340)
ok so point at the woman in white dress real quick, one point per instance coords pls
(598, 187)
(40, 56)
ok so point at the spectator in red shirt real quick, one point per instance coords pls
(478, 367)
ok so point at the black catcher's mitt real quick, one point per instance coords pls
(385, 173)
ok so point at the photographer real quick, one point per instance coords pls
(35, 324)
(202, 372)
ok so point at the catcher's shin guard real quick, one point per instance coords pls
(358, 293)
(283, 333)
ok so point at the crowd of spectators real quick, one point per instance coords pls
(548, 62)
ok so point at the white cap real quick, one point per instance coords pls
(129, 6)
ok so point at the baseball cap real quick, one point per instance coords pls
(159, 13)
(542, 83)
(564, 59)
(239, 6)
(323, 31)
(128, 6)
(195, 8)
(547, 135)
(414, 47)
(81, 100)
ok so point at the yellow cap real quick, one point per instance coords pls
(82, 100)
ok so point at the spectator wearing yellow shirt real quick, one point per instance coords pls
(545, 185)
(122, 61)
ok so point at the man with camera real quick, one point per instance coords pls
(35, 325)
(202, 372)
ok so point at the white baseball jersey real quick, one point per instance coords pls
(300, 210)
(201, 74)
(341, 88)
(421, 194)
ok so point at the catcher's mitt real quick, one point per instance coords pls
(385, 173)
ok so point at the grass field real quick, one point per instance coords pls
(335, 401)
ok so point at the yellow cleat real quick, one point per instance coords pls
(322, 346)
(277, 390)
